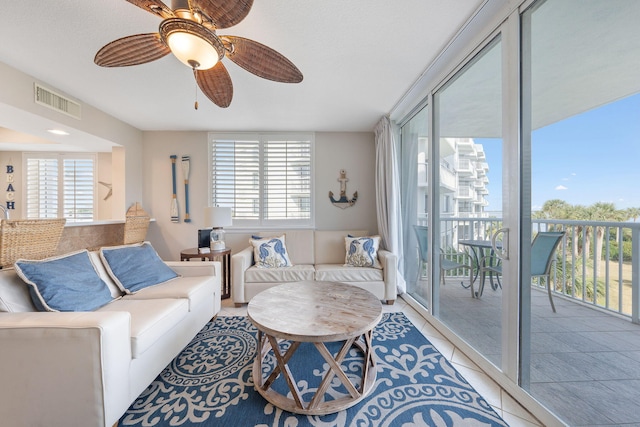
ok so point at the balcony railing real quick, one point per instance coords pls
(597, 263)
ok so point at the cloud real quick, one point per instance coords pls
(561, 187)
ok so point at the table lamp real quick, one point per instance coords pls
(217, 218)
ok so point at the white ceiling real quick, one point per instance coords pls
(358, 58)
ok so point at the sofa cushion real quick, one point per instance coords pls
(14, 295)
(135, 267)
(340, 273)
(270, 252)
(362, 251)
(295, 273)
(150, 319)
(329, 245)
(65, 283)
(195, 289)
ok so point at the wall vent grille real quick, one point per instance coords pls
(48, 98)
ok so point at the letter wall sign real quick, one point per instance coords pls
(11, 192)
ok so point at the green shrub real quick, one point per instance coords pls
(615, 253)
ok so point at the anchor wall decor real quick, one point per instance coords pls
(343, 202)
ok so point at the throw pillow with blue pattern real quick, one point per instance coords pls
(270, 252)
(362, 251)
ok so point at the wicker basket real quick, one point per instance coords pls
(136, 225)
(29, 239)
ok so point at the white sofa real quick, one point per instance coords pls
(86, 368)
(315, 255)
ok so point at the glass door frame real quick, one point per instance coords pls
(511, 206)
(513, 373)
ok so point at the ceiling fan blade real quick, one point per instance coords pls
(262, 60)
(224, 13)
(216, 84)
(132, 50)
(157, 7)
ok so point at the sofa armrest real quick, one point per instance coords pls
(192, 269)
(389, 262)
(74, 365)
(240, 262)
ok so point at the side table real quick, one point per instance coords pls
(223, 255)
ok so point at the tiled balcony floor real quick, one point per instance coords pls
(585, 364)
(514, 414)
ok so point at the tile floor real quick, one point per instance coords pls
(510, 410)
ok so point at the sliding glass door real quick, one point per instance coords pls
(468, 202)
(415, 204)
(581, 104)
(536, 131)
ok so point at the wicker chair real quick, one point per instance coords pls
(29, 239)
(136, 224)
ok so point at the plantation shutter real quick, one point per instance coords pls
(266, 179)
(42, 188)
(60, 186)
(287, 180)
(78, 184)
(235, 169)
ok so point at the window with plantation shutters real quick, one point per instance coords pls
(265, 178)
(60, 186)
(78, 189)
(42, 188)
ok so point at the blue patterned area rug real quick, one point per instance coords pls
(210, 384)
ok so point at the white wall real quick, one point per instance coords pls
(354, 152)
(19, 112)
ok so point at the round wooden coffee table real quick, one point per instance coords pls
(315, 312)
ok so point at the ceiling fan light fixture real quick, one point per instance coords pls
(194, 45)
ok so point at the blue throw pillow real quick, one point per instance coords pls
(135, 267)
(66, 283)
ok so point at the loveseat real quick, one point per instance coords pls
(315, 255)
(86, 368)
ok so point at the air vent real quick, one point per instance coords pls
(55, 101)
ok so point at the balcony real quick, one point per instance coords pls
(585, 358)
(466, 193)
(448, 177)
(466, 168)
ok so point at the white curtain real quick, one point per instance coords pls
(388, 195)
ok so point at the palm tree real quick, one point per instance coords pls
(601, 211)
(555, 209)
(632, 213)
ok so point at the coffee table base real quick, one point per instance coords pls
(317, 405)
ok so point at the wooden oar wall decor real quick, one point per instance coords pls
(174, 199)
(185, 171)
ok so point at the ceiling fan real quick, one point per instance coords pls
(188, 30)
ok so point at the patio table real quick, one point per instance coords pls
(478, 249)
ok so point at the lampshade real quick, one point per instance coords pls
(217, 217)
(193, 44)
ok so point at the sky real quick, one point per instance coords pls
(588, 158)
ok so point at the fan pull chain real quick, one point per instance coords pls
(196, 104)
(196, 83)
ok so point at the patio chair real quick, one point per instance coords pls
(445, 263)
(543, 250)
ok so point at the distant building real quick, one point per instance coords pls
(463, 179)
